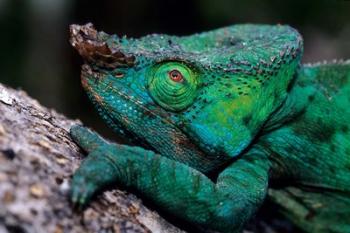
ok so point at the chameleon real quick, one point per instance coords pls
(220, 121)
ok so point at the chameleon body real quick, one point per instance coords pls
(223, 120)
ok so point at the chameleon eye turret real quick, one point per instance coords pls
(173, 85)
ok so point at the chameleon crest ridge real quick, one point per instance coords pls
(92, 46)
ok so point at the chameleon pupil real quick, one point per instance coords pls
(176, 76)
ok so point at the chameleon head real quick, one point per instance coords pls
(200, 99)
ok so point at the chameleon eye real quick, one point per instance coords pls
(176, 76)
(173, 85)
(119, 75)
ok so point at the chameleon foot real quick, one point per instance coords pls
(87, 179)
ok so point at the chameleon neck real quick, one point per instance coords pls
(310, 131)
(296, 101)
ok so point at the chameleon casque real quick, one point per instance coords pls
(223, 120)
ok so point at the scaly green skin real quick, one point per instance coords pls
(228, 116)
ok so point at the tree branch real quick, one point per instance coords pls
(37, 160)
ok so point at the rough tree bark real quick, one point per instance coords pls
(37, 160)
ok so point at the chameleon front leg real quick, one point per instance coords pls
(176, 188)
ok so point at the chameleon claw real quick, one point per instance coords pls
(83, 199)
(74, 198)
(81, 192)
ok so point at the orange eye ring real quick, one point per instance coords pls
(176, 76)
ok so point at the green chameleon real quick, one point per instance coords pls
(224, 119)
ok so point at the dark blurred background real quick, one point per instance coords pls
(35, 54)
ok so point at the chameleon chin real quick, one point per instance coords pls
(235, 102)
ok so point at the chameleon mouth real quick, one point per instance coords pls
(88, 76)
(93, 47)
